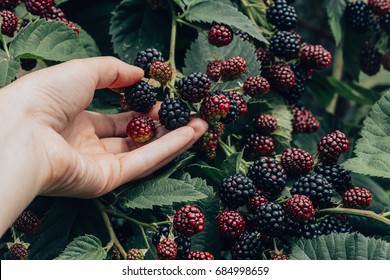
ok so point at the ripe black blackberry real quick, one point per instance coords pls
(265, 123)
(243, 35)
(247, 247)
(268, 176)
(316, 187)
(220, 35)
(140, 97)
(162, 231)
(214, 70)
(285, 44)
(336, 175)
(296, 161)
(194, 87)
(256, 145)
(183, 246)
(145, 58)
(334, 224)
(370, 60)
(38, 7)
(331, 146)
(384, 22)
(28, 64)
(307, 229)
(9, 23)
(173, 113)
(280, 76)
(386, 61)
(265, 57)
(236, 190)
(231, 224)
(282, 15)
(9, 4)
(270, 219)
(359, 16)
(27, 223)
(18, 251)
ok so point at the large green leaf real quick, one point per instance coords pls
(218, 11)
(8, 68)
(335, 11)
(373, 149)
(159, 192)
(49, 40)
(87, 247)
(88, 43)
(134, 27)
(342, 246)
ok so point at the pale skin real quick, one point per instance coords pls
(49, 144)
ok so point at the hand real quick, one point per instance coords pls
(51, 146)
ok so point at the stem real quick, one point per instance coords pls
(386, 214)
(114, 240)
(5, 47)
(172, 49)
(246, 7)
(14, 234)
(355, 212)
(197, 28)
(134, 221)
(338, 66)
(144, 236)
(233, 89)
(229, 151)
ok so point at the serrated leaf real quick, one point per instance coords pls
(163, 191)
(87, 247)
(231, 165)
(49, 40)
(338, 246)
(211, 174)
(218, 11)
(134, 27)
(335, 10)
(9, 67)
(201, 52)
(373, 149)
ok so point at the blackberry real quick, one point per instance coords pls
(9, 23)
(183, 246)
(240, 102)
(270, 219)
(256, 85)
(265, 57)
(358, 198)
(173, 114)
(256, 145)
(115, 254)
(307, 229)
(38, 7)
(194, 87)
(135, 254)
(198, 256)
(384, 22)
(336, 175)
(315, 57)
(28, 64)
(265, 123)
(268, 176)
(9, 4)
(27, 223)
(233, 113)
(331, 146)
(69, 24)
(386, 61)
(145, 59)
(304, 121)
(379, 7)
(370, 60)
(123, 104)
(316, 187)
(281, 77)
(54, 13)
(243, 35)
(167, 249)
(188, 220)
(214, 107)
(140, 97)
(312, 123)
(296, 161)
(208, 143)
(294, 95)
(161, 72)
(220, 35)
(247, 247)
(232, 68)
(231, 224)
(236, 190)
(256, 201)
(285, 44)
(333, 224)
(299, 208)
(18, 251)
(279, 257)
(358, 16)
(141, 129)
(282, 15)
(214, 70)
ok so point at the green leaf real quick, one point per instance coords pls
(373, 149)
(87, 247)
(88, 43)
(59, 2)
(9, 67)
(212, 175)
(163, 191)
(342, 246)
(201, 52)
(49, 40)
(134, 27)
(231, 165)
(335, 10)
(218, 11)
(320, 88)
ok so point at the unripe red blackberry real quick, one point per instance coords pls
(9, 4)
(281, 77)
(69, 24)
(282, 15)
(161, 72)
(140, 97)
(208, 143)
(299, 208)
(54, 13)
(270, 219)
(214, 107)
(232, 68)
(386, 61)
(167, 249)
(265, 57)
(296, 161)
(370, 60)
(194, 87)
(279, 257)
(379, 7)
(358, 198)
(359, 17)
(9, 23)
(236, 190)
(240, 102)
(304, 121)
(220, 35)
(315, 57)
(285, 44)
(188, 220)
(256, 201)
(145, 59)
(331, 146)
(256, 145)
(135, 254)
(311, 121)
(198, 256)
(18, 251)
(231, 224)
(256, 85)
(141, 129)
(247, 247)
(27, 223)
(265, 123)
(183, 242)
(174, 113)
(214, 70)
(38, 7)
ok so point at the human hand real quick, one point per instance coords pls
(51, 146)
